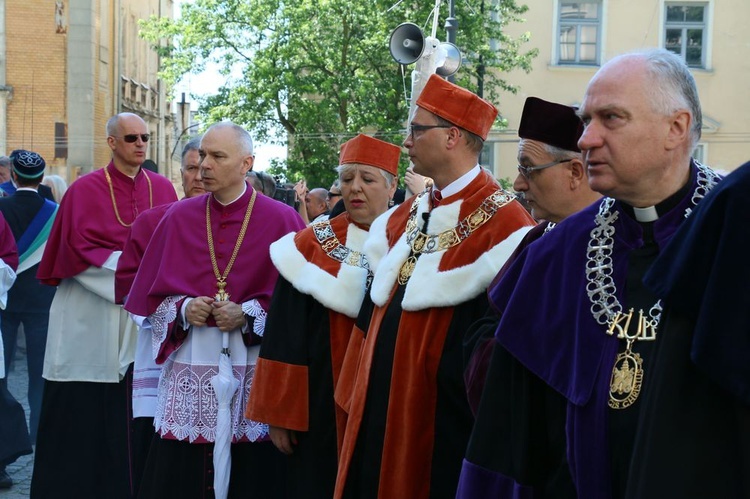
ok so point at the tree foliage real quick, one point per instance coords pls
(311, 74)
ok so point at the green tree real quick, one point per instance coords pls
(313, 73)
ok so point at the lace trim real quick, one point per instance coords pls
(165, 314)
(187, 406)
(253, 309)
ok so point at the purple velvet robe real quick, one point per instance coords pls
(547, 325)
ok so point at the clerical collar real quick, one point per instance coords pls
(652, 213)
(461, 182)
(30, 189)
(648, 214)
(244, 185)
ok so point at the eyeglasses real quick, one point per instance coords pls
(421, 128)
(333, 195)
(527, 170)
(132, 137)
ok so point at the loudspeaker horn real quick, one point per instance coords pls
(407, 43)
(447, 59)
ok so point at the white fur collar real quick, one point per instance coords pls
(428, 286)
(342, 293)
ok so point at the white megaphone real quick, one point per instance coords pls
(447, 59)
(407, 43)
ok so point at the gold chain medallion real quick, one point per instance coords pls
(221, 279)
(627, 377)
(114, 203)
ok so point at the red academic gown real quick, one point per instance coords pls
(312, 313)
(402, 379)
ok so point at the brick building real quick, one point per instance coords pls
(66, 66)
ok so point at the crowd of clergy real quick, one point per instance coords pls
(585, 336)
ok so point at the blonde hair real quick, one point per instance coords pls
(57, 184)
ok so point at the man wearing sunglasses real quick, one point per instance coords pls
(434, 255)
(85, 419)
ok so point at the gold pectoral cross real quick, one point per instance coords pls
(222, 294)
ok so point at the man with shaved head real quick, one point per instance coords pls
(222, 294)
(84, 420)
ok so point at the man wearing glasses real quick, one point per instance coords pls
(334, 195)
(433, 256)
(554, 182)
(91, 340)
(576, 319)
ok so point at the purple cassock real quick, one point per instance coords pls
(177, 265)
(547, 327)
(135, 246)
(86, 229)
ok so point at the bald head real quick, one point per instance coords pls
(316, 202)
(244, 141)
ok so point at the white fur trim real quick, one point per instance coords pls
(342, 293)
(428, 287)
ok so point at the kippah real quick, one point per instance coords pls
(27, 164)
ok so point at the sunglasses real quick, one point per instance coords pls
(333, 194)
(132, 137)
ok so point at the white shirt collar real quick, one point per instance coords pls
(461, 182)
(244, 189)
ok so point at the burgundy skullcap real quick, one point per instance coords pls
(368, 150)
(550, 123)
(457, 105)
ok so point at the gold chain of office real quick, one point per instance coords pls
(221, 279)
(424, 243)
(114, 202)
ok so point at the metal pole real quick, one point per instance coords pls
(451, 26)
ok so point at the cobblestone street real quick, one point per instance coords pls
(20, 471)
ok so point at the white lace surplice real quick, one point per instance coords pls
(187, 406)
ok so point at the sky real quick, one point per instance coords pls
(207, 83)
